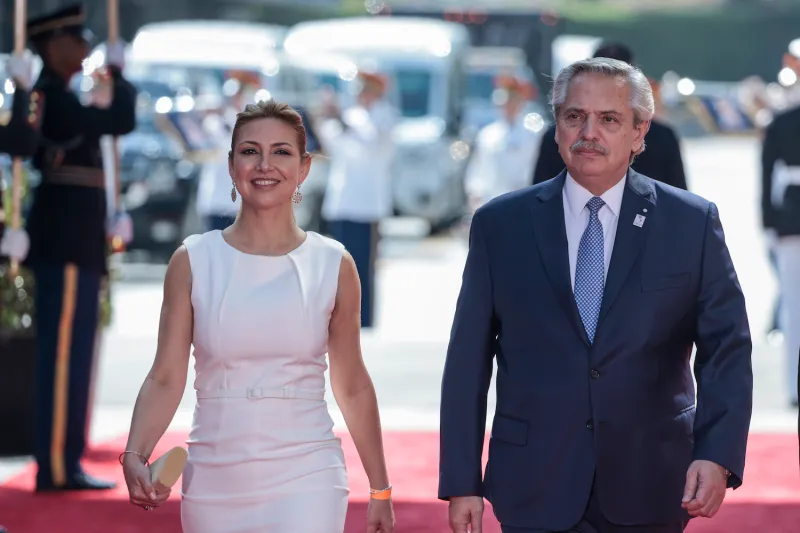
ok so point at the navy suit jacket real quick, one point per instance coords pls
(621, 409)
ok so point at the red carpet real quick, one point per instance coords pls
(769, 502)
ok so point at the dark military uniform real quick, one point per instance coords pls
(780, 212)
(67, 228)
(20, 137)
(780, 202)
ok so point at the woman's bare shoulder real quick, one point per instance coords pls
(349, 282)
(179, 270)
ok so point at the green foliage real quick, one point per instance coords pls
(106, 310)
(721, 46)
(17, 309)
(588, 10)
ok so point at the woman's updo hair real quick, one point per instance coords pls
(272, 109)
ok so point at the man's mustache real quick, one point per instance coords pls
(589, 145)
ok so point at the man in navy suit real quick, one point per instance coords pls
(596, 427)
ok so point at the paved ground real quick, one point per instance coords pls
(418, 283)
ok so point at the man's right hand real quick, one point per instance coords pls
(466, 514)
(15, 244)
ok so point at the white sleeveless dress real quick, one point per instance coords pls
(262, 453)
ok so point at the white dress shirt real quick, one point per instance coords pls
(576, 218)
(359, 185)
(214, 187)
(503, 159)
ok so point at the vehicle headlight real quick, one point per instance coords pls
(459, 151)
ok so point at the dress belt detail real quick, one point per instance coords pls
(256, 393)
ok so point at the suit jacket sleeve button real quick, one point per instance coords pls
(594, 373)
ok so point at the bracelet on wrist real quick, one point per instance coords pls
(145, 459)
(382, 494)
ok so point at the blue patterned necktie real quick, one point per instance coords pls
(590, 270)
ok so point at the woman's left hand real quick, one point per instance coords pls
(380, 516)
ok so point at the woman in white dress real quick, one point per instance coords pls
(262, 303)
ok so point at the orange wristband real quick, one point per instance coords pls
(384, 494)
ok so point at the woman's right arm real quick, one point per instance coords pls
(165, 383)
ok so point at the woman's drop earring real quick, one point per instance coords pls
(233, 192)
(297, 196)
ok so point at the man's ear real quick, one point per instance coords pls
(640, 132)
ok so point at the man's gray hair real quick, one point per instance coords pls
(642, 101)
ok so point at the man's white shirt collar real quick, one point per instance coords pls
(577, 197)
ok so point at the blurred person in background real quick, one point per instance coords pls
(505, 150)
(359, 189)
(775, 334)
(215, 204)
(659, 101)
(780, 212)
(662, 160)
(19, 137)
(70, 234)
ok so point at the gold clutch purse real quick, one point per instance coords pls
(168, 468)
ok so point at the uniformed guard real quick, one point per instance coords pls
(359, 193)
(506, 149)
(67, 226)
(780, 214)
(19, 137)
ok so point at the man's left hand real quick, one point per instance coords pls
(706, 483)
(115, 54)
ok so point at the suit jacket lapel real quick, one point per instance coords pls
(639, 198)
(551, 238)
